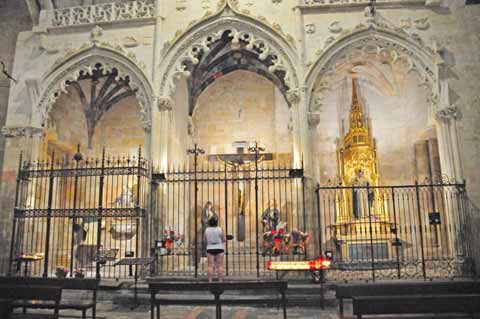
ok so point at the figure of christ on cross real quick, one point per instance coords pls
(236, 161)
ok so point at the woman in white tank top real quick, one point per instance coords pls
(215, 240)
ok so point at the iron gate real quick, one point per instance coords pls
(408, 231)
(246, 199)
(79, 216)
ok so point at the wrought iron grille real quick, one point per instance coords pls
(410, 231)
(262, 206)
(79, 216)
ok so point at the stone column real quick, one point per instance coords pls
(446, 119)
(448, 143)
(160, 132)
(25, 140)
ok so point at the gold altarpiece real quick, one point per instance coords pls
(362, 219)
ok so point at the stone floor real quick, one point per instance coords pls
(111, 311)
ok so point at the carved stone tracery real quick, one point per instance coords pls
(393, 45)
(84, 63)
(190, 47)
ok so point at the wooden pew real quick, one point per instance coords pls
(28, 293)
(86, 284)
(216, 289)
(402, 288)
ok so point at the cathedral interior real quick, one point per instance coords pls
(307, 126)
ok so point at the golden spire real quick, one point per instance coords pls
(357, 150)
(356, 113)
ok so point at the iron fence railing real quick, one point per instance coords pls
(407, 231)
(79, 216)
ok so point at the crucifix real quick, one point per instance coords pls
(236, 161)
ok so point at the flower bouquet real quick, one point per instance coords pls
(79, 273)
(61, 272)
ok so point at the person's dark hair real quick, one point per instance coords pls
(213, 221)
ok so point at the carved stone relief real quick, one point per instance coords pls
(421, 24)
(130, 42)
(335, 27)
(103, 13)
(310, 28)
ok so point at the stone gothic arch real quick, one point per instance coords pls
(84, 62)
(396, 44)
(261, 38)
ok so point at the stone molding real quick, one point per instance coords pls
(343, 4)
(187, 47)
(84, 61)
(101, 13)
(22, 131)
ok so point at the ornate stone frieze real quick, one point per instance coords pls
(350, 3)
(448, 113)
(21, 131)
(103, 13)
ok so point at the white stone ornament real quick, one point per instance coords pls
(130, 42)
(103, 13)
(335, 27)
(421, 24)
(310, 28)
(95, 34)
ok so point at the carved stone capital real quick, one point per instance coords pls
(293, 96)
(165, 103)
(22, 131)
(313, 119)
(448, 113)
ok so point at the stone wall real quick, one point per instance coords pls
(242, 106)
(14, 18)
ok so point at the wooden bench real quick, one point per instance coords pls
(66, 284)
(416, 304)
(403, 288)
(216, 289)
(23, 293)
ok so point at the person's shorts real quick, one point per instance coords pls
(215, 251)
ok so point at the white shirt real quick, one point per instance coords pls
(214, 238)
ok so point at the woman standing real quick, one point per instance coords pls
(215, 239)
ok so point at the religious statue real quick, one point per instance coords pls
(360, 208)
(270, 216)
(207, 213)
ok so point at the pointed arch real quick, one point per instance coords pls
(187, 49)
(396, 43)
(85, 61)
